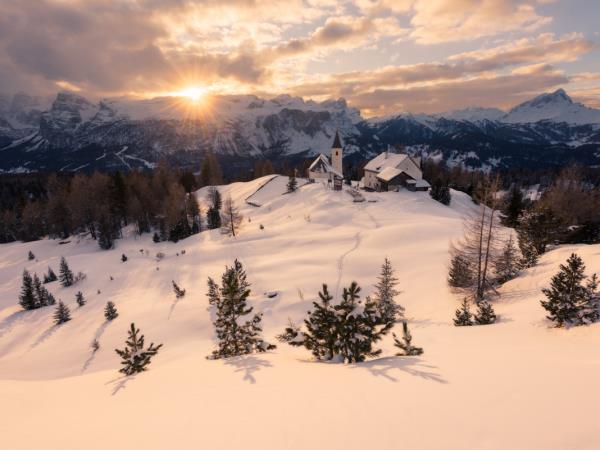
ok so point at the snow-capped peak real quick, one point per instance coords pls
(556, 107)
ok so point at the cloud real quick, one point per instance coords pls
(440, 21)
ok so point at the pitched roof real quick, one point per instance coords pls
(388, 173)
(384, 160)
(322, 165)
(337, 142)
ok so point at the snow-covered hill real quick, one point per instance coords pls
(517, 384)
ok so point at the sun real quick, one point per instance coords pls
(192, 93)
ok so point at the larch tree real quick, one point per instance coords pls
(479, 245)
(231, 219)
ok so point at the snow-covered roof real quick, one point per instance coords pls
(419, 183)
(388, 173)
(323, 165)
(384, 160)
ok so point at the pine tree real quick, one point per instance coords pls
(485, 313)
(50, 300)
(40, 293)
(386, 293)
(514, 207)
(359, 325)
(62, 313)
(110, 311)
(321, 335)
(346, 331)
(536, 229)
(230, 302)
(135, 358)
(231, 218)
(406, 343)
(65, 275)
(292, 184)
(79, 298)
(463, 315)
(213, 214)
(440, 192)
(507, 265)
(460, 274)
(570, 302)
(27, 297)
(50, 277)
(30, 256)
(179, 293)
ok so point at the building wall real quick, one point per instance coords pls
(336, 160)
(371, 180)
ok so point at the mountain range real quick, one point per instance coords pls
(71, 133)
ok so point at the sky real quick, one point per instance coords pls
(382, 56)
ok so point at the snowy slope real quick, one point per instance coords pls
(555, 107)
(517, 384)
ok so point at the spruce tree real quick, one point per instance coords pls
(50, 276)
(235, 336)
(179, 293)
(463, 315)
(346, 331)
(460, 274)
(213, 214)
(406, 343)
(155, 238)
(30, 256)
(110, 311)
(507, 265)
(65, 275)
(485, 313)
(440, 191)
(135, 357)
(79, 298)
(514, 207)
(123, 258)
(360, 325)
(62, 313)
(39, 292)
(569, 301)
(27, 297)
(386, 293)
(50, 300)
(321, 335)
(292, 184)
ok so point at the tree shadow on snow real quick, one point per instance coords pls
(119, 383)
(97, 336)
(385, 367)
(248, 365)
(11, 321)
(45, 335)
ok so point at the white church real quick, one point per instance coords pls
(329, 168)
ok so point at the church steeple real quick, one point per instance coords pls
(337, 143)
(337, 154)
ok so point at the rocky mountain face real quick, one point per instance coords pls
(72, 133)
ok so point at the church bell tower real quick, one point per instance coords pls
(337, 154)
